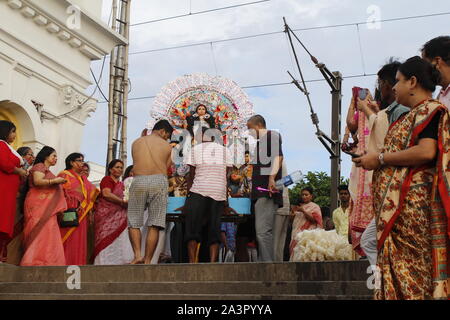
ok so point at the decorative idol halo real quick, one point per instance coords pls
(223, 98)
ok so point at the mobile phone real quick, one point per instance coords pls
(362, 94)
(353, 155)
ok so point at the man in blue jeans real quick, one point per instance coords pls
(267, 160)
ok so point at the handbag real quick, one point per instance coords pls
(68, 218)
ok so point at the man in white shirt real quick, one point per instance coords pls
(437, 52)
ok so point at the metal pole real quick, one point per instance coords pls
(306, 92)
(336, 136)
(334, 79)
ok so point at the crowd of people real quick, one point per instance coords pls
(395, 211)
(400, 208)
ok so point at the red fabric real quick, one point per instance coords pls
(40, 167)
(108, 182)
(42, 238)
(110, 221)
(75, 239)
(75, 247)
(9, 187)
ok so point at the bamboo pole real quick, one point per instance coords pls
(123, 153)
(119, 85)
(112, 73)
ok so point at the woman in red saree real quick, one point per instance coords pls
(308, 216)
(112, 243)
(44, 200)
(11, 171)
(80, 194)
(412, 192)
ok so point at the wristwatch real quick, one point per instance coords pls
(381, 158)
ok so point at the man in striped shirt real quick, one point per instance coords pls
(207, 192)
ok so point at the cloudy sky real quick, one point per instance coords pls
(265, 59)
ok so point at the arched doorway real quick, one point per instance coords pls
(9, 116)
(16, 114)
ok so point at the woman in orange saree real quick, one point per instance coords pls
(79, 194)
(361, 206)
(412, 192)
(44, 200)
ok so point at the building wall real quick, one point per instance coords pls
(92, 7)
(97, 173)
(44, 70)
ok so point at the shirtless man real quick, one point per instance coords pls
(151, 159)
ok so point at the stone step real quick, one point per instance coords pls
(185, 288)
(39, 296)
(303, 271)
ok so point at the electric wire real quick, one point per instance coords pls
(279, 32)
(197, 13)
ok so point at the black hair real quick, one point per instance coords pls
(72, 157)
(427, 76)
(113, 163)
(438, 47)
(389, 71)
(5, 129)
(127, 172)
(163, 125)
(43, 154)
(343, 187)
(309, 189)
(257, 119)
(23, 151)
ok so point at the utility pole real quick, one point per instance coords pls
(119, 85)
(336, 112)
(332, 144)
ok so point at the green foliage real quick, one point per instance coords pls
(321, 184)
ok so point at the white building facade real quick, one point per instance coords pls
(46, 48)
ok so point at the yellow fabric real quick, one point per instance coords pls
(340, 220)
